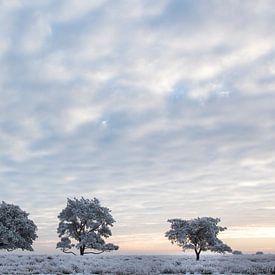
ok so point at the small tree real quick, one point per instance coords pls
(17, 231)
(199, 234)
(88, 223)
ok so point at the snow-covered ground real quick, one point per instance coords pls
(69, 264)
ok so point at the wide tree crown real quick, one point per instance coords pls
(84, 214)
(88, 223)
(199, 234)
(16, 229)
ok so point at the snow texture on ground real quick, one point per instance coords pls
(69, 264)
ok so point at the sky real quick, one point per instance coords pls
(160, 109)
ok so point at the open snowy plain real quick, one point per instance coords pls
(69, 264)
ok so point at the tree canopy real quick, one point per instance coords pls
(199, 234)
(87, 223)
(17, 231)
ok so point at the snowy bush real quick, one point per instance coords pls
(17, 231)
(259, 253)
(237, 252)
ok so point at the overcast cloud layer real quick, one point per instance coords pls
(160, 109)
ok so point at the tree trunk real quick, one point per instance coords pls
(198, 251)
(197, 256)
(82, 249)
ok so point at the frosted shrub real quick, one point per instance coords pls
(237, 252)
(259, 253)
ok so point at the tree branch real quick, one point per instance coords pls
(68, 252)
(95, 228)
(90, 252)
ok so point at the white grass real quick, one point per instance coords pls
(68, 264)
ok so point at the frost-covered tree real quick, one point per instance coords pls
(17, 231)
(199, 234)
(87, 223)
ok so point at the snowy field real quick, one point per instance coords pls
(69, 264)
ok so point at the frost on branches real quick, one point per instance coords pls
(199, 234)
(88, 223)
(17, 231)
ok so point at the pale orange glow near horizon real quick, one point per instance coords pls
(245, 239)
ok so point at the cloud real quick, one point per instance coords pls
(76, 117)
(71, 10)
(36, 35)
(160, 110)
